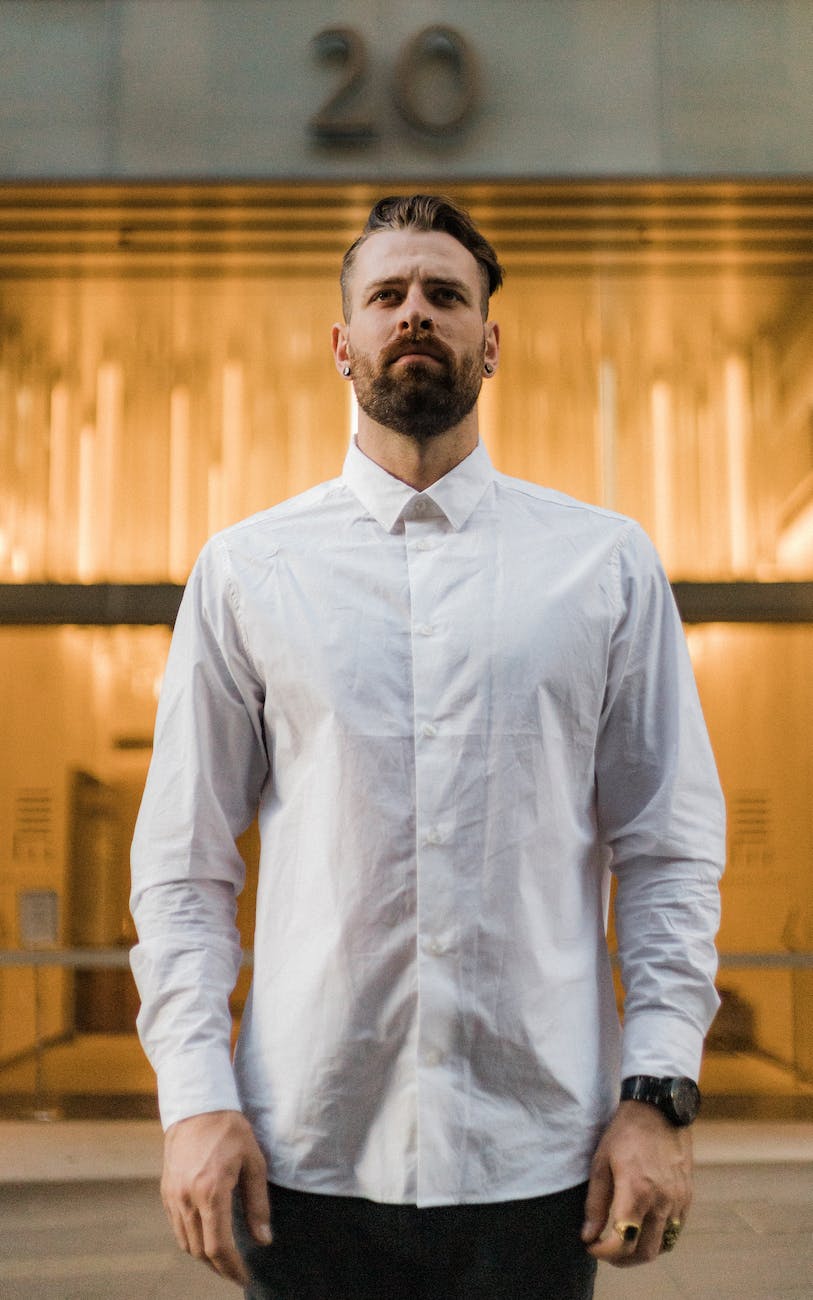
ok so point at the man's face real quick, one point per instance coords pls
(415, 340)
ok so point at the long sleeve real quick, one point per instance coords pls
(661, 816)
(207, 772)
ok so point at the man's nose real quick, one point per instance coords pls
(415, 316)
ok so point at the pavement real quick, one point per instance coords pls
(81, 1219)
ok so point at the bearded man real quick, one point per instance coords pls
(457, 702)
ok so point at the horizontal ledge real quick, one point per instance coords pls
(107, 604)
(119, 959)
(95, 604)
(744, 602)
(81, 958)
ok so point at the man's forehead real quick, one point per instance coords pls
(388, 254)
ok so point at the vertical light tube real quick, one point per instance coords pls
(662, 441)
(737, 416)
(607, 432)
(179, 449)
(58, 480)
(86, 532)
(6, 473)
(109, 397)
(215, 495)
(19, 563)
(794, 548)
(233, 450)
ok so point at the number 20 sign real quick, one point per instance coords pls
(433, 48)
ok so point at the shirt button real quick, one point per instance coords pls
(420, 507)
(425, 629)
(424, 544)
(433, 836)
(436, 946)
(432, 1056)
(429, 729)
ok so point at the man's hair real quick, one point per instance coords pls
(426, 212)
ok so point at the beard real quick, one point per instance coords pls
(421, 399)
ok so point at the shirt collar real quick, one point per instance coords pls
(388, 499)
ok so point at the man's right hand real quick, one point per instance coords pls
(205, 1158)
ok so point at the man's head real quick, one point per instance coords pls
(426, 212)
(416, 339)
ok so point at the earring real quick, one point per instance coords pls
(346, 371)
(489, 369)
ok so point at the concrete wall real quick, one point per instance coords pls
(227, 88)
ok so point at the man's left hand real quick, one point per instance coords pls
(641, 1174)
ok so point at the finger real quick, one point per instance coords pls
(620, 1242)
(651, 1238)
(597, 1202)
(176, 1223)
(192, 1228)
(256, 1205)
(218, 1240)
(185, 1223)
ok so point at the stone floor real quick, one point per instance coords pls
(82, 1237)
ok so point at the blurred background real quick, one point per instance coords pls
(178, 181)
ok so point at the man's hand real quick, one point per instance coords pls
(205, 1158)
(641, 1174)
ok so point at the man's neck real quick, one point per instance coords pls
(418, 464)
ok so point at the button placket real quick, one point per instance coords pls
(434, 822)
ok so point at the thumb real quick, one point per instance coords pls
(256, 1204)
(597, 1203)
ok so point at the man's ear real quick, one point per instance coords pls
(491, 354)
(341, 356)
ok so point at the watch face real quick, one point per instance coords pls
(685, 1100)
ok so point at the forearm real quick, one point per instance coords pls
(185, 966)
(667, 914)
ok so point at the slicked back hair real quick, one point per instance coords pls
(426, 212)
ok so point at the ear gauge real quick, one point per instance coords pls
(346, 371)
(487, 366)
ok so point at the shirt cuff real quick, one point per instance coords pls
(196, 1083)
(661, 1044)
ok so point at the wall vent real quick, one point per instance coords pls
(750, 832)
(34, 823)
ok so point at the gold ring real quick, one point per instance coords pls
(628, 1232)
(671, 1233)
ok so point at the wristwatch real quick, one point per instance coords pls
(677, 1099)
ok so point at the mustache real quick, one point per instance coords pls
(421, 343)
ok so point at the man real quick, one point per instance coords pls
(455, 700)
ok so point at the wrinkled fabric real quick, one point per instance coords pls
(455, 712)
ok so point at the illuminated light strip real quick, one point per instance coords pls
(661, 408)
(179, 447)
(737, 416)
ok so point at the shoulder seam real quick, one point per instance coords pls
(555, 498)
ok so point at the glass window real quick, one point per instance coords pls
(78, 707)
(757, 693)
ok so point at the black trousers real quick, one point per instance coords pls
(346, 1248)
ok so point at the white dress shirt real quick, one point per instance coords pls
(454, 710)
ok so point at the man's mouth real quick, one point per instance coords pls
(409, 351)
(407, 357)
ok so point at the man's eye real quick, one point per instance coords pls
(383, 295)
(448, 295)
